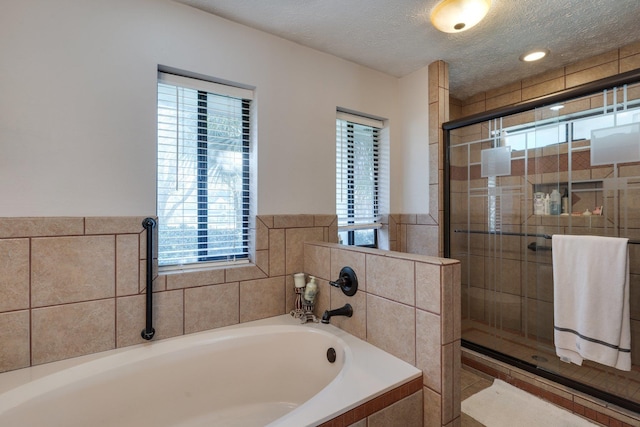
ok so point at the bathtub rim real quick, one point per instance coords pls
(327, 404)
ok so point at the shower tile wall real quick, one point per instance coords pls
(74, 286)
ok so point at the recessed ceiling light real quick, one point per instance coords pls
(534, 55)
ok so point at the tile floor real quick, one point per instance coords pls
(471, 383)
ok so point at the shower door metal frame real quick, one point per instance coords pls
(629, 77)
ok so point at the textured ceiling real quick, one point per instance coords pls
(396, 37)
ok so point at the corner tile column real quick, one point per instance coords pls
(438, 114)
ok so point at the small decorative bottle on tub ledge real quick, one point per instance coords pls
(299, 283)
(309, 299)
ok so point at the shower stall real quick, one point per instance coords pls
(582, 145)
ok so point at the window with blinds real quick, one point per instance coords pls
(357, 179)
(203, 171)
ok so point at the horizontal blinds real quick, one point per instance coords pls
(203, 175)
(357, 166)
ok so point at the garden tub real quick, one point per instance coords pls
(274, 372)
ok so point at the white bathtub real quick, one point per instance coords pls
(270, 372)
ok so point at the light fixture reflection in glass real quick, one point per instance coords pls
(534, 55)
(454, 16)
(556, 107)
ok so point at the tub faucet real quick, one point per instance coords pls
(346, 310)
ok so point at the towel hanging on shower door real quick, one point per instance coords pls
(591, 300)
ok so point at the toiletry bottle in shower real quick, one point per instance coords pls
(565, 202)
(311, 290)
(547, 205)
(555, 202)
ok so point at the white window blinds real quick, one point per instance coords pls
(357, 166)
(203, 171)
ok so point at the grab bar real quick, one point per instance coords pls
(148, 332)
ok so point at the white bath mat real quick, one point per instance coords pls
(503, 405)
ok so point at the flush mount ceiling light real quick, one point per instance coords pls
(534, 55)
(454, 16)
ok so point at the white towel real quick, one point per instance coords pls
(591, 300)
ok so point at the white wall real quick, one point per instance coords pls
(414, 158)
(78, 100)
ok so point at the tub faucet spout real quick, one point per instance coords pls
(346, 310)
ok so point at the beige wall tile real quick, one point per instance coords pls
(432, 408)
(38, 227)
(243, 272)
(266, 220)
(294, 244)
(543, 77)
(503, 99)
(277, 259)
(448, 378)
(189, 279)
(348, 258)
(357, 324)
(210, 307)
(403, 413)
(130, 320)
(383, 319)
(630, 63)
(477, 107)
(428, 287)
(64, 331)
(159, 281)
(391, 278)
(14, 274)
(317, 261)
(293, 221)
(426, 219)
(422, 239)
(72, 269)
(325, 220)
(631, 49)
(262, 261)
(594, 61)
(14, 336)
(590, 74)
(131, 317)
(323, 298)
(543, 88)
(114, 225)
(262, 298)
(127, 264)
(262, 235)
(168, 314)
(428, 349)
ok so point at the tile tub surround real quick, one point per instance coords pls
(406, 304)
(71, 286)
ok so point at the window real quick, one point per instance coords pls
(203, 171)
(357, 179)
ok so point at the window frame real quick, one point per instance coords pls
(351, 227)
(206, 91)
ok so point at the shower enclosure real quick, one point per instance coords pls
(584, 144)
